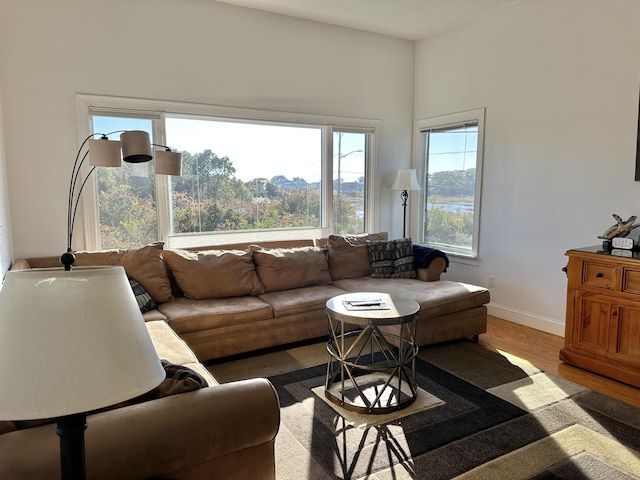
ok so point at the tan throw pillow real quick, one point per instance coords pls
(214, 273)
(145, 264)
(349, 256)
(287, 268)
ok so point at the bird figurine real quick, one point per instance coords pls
(620, 229)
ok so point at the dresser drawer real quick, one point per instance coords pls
(599, 275)
(631, 281)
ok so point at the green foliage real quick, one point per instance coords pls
(448, 227)
(208, 198)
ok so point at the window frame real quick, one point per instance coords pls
(156, 110)
(418, 202)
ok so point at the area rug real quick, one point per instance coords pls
(496, 418)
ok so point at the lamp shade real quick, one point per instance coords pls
(136, 146)
(104, 153)
(71, 342)
(168, 163)
(406, 180)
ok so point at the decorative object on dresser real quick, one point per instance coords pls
(622, 228)
(136, 148)
(603, 313)
(405, 180)
(71, 342)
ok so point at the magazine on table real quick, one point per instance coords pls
(365, 303)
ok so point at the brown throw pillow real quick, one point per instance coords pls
(145, 264)
(214, 273)
(349, 256)
(287, 268)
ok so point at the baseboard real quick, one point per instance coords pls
(527, 319)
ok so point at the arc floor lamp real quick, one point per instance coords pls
(134, 146)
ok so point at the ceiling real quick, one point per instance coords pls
(408, 19)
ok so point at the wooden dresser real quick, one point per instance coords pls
(602, 331)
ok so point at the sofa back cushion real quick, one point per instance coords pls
(287, 268)
(145, 265)
(213, 273)
(349, 256)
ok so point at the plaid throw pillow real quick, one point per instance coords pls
(145, 302)
(391, 259)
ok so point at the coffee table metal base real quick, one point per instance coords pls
(369, 370)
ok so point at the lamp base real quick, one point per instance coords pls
(68, 259)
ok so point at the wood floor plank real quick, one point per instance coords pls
(542, 349)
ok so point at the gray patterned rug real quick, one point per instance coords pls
(497, 418)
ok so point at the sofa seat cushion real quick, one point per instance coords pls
(300, 300)
(169, 346)
(436, 298)
(185, 315)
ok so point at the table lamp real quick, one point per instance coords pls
(405, 180)
(71, 342)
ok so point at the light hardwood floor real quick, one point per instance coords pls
(541, 349)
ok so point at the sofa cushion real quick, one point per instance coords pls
(185, 315)
(435, 298)
(391, 259)
(348, 254)
(171, 347)
(145, 265)
(213, 273)
(287, 268)
(300, 300)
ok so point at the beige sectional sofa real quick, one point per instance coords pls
(231, 299)
(217, 302)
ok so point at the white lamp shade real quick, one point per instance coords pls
(168, 163)
(136, 146)
(104, 153)
(71, 342)
(406, 180)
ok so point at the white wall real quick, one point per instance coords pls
(559, 80)
(183, 50)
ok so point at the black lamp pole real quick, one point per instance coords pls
(71, 429)
(404, 196)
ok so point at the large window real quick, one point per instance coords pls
(286, 178)
(451, 151)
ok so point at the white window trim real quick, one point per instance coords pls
(417, 202)
(88, 105)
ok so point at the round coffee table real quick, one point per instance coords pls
(371, 370)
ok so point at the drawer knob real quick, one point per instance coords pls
(599, 275)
